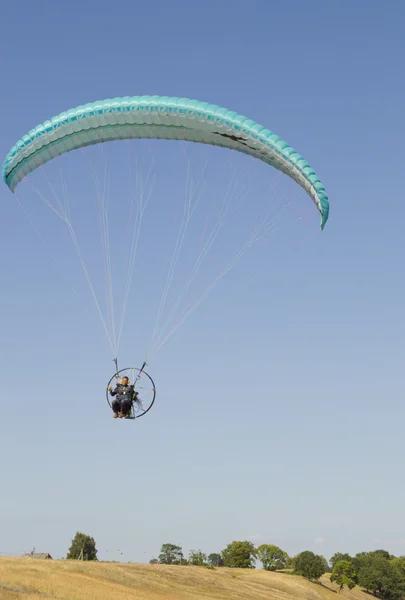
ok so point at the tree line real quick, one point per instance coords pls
(378, 571)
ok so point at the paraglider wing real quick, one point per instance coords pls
(160, 117)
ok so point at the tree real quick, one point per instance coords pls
(309, 565)
(326, 564)
(215, 560)
(153, 561)
(382, 554)
(338, 556)
(170, 554)
(197, 558)
(399, 563)
(272, 557)
(363, 558)
(82, 547)
(343, 573)
(382, 576)
(239, 555)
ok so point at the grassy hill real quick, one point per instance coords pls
(71, 580)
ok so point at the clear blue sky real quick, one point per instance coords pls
(279, 415)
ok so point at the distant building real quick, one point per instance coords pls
(42, 555)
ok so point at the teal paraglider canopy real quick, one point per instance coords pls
(159, 117)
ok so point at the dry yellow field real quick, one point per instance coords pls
(71, 580)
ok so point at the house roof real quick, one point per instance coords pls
(37, 555)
